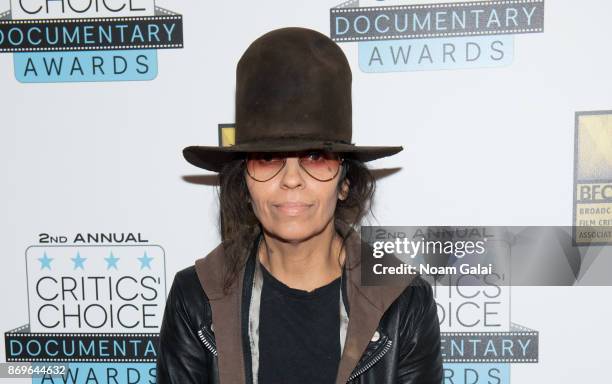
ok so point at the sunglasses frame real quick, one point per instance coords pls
(246, 168)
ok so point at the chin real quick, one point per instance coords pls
(294, 230)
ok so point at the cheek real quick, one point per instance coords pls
(259, 208)
(329, 200)
(258, 193)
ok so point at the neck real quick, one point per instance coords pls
(306, 264)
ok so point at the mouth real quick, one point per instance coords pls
(292, 208)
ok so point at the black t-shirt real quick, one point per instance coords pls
(299, 339)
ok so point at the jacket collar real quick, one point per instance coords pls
(367, 304)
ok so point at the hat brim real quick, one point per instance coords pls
(213, 158)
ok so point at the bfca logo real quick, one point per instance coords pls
(593, 178)
(87, 40)
(406, 35)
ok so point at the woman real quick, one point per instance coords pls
(280, 300)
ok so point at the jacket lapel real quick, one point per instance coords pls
(367, 304)
(225, 315)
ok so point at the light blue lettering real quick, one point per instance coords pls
(376, 23)
(346, 23)
(30, 36)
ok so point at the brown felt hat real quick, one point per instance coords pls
(293, 92)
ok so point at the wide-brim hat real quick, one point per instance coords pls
(293, 93)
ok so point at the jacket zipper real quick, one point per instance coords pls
(208, 344)
(372, 361)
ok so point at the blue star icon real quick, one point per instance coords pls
(45, 261)
(111, 261)
(145, 261)
(78, 261)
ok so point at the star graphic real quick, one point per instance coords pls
(78, 261)
(145, 261)
(111, 261)
(45, 261)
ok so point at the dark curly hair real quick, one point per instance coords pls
(240, 227)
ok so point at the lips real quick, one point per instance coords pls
(292, 208)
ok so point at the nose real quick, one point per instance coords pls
(292, 174)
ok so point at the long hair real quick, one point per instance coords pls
(240, 227)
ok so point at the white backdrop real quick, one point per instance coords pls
(482, 146)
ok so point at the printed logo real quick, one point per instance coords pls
(95, 305)
(479, 340)
(405, 35)
(593, 178)
(87, 40)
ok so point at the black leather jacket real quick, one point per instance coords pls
(393, 332)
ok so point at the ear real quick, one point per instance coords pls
(344, 189)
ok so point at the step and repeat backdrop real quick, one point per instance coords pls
(503, 108)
